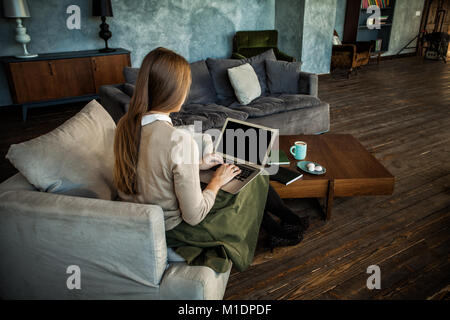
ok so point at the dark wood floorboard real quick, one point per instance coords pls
(400, 111)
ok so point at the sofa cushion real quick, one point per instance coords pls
(265, 106)
(245, 83)
(282, 76)
(130, 74)
(260, 107)
(210, 115)
(218, 69)
(202, 89)
(298, 101)
(77, 158)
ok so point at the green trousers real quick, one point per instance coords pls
(229, 232)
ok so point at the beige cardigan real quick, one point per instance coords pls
(168, 175)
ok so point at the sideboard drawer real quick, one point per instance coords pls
(109, 69)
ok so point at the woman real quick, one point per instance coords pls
(145, 171)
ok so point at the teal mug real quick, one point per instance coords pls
(298, 150)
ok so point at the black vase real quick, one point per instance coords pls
(105, 34)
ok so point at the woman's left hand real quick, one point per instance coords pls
(210, 160)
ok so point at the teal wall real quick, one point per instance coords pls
(311, 24)
(405, 25)
(339, 22)
(288, 15)
(197, 29)
(318, 26)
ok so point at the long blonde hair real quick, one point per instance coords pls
(162, 84)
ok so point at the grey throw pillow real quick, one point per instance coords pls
(77, 158)
(245, 83)
(283, 77)
(219, 73)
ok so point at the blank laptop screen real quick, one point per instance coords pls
(245, 142)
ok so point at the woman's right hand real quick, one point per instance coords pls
(225, 173)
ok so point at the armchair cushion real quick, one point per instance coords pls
(77, 158)
(282, 76)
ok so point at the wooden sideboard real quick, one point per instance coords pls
(54, 78)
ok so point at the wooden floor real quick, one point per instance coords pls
(400, 111)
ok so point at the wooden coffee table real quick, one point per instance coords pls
(351, 170)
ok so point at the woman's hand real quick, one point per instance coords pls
(210, 160)
(224, 174)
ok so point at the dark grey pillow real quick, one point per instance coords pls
(258, 63)
(219, 73)
(218, 69)
(130, 74)
(202, 89)
(282, 76)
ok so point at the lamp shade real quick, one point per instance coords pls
(16, 9)
(102, 8)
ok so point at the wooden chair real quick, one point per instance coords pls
(350, 56)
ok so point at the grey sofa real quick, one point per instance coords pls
(211, 99)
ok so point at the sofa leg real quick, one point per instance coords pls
(349, 72)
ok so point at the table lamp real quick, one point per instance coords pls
(103, 8)
(19, 9)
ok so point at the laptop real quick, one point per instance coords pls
(246, 145)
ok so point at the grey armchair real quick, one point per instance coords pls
(119, 247)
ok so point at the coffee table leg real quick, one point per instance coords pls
(329, 200)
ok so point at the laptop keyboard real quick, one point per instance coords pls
(245, 171)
